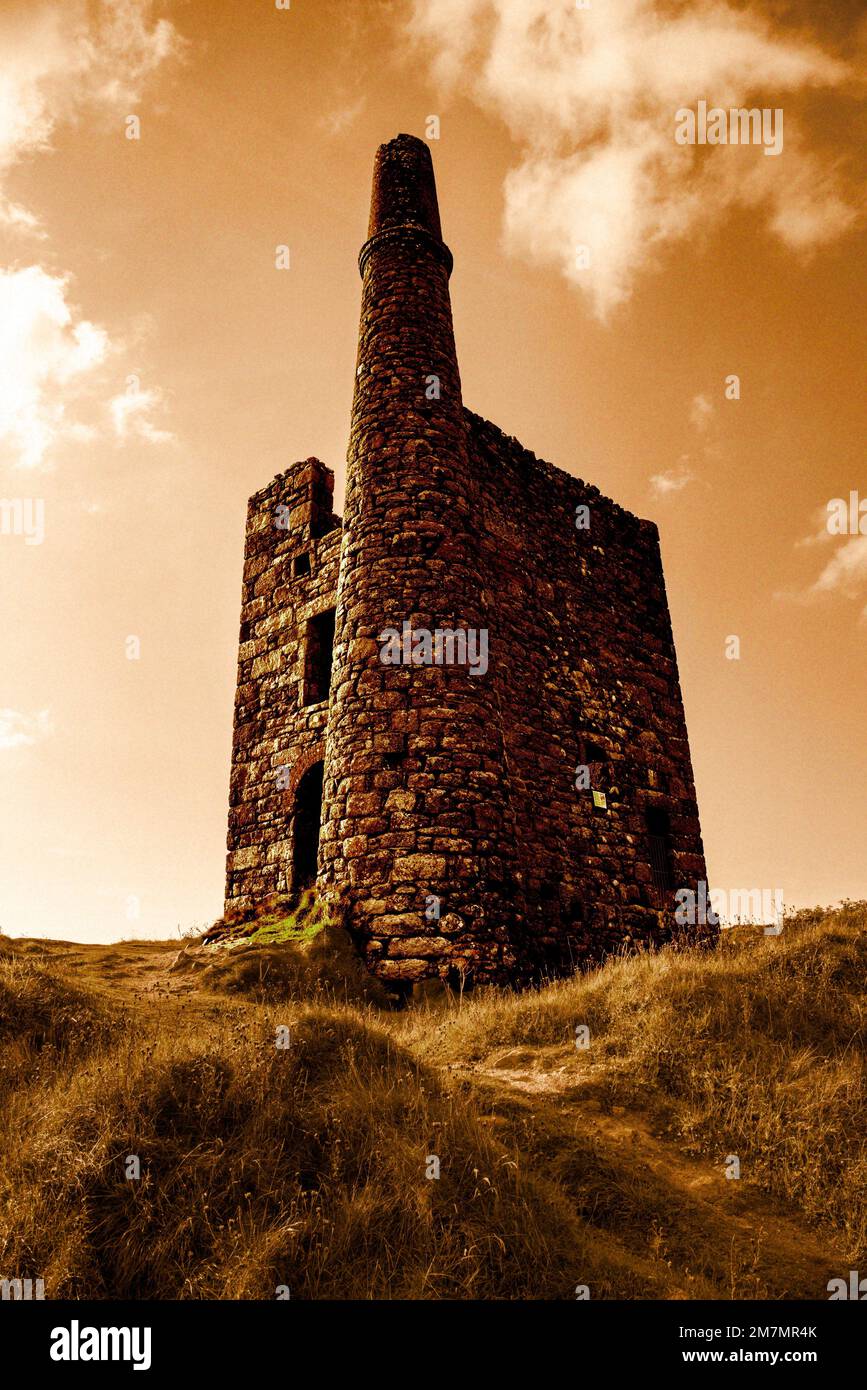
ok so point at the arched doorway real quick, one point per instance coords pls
(308, 818)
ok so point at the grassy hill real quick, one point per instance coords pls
(306, 1165)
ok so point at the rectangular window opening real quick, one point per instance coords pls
(593, 752)
(318, 657)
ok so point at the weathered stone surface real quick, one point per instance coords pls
(420, 868)
(419, 946)
(402, 969)
(453, 828)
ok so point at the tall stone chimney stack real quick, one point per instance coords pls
(419, 835)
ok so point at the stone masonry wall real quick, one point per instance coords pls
(290, 528)
(582, 649)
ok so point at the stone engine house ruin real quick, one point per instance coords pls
(478, 822)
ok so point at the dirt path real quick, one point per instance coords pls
(137, 973)
(620, 1164)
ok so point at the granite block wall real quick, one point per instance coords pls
(291, 563)
(476, 820)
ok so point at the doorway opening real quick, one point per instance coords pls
(308, 822)
(659, 844)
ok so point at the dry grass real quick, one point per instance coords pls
(757, 1049)
(305, 1166)
(323, 967)
(263, 1167)
(46, 1023)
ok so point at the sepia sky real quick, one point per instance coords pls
(156, 368)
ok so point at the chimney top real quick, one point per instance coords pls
(404, 188)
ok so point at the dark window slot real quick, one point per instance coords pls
(659, 845)
(319, 654)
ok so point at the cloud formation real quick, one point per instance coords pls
(846, 571)
(45, 351)
(673, 479)
(58, 60)
(700, 412)
(343, 117)
(21, 730)
(130, 412)
(590, 98)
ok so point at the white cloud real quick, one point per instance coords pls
(673, 480)
(45, 352)
(18, 218)
(130, 411)
(700, 413)
(21, 730)
(58, 60)
(846, 571)
(590, 98)
(342, 118)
